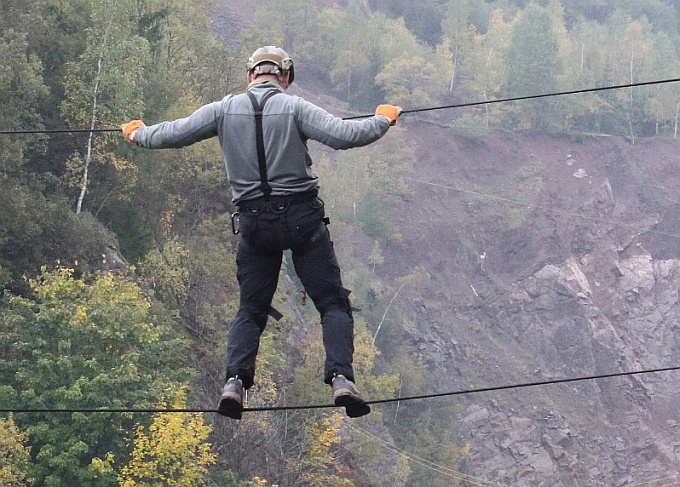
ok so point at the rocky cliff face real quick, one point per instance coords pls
(550, 259)
(612, 431)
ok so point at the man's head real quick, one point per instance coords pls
(271, 61)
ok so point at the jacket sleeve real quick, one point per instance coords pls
(200, 125)
(317, 124)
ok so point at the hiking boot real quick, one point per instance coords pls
(345, 393)
(231, 402)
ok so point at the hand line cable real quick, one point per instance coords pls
(673, 478)
(56, 131)
(416, 110)
(532, 97)
(326, 406)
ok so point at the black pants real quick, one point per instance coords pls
(267, 229)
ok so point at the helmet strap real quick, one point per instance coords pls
(267, 69)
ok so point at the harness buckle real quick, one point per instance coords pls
(279, 207)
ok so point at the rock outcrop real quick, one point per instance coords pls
(586, 284)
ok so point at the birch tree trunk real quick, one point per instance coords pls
(102, 86)
(88, 150)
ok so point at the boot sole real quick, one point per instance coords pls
(231, 407)
(354, 407)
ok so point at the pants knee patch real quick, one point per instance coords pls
(257, 316)
(339, 302)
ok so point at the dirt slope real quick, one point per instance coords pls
(550, 257)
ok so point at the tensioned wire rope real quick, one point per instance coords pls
(380, 401)
(668, 480)
(415, 110)
(441, 469)
(326, 406)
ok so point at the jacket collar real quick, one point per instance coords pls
(265, 83)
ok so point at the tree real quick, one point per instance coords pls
(368, 170)
(636, 49)
(322, 437)
(78, 344)
(661, 108)
(289, 20)
(189, 67)
(459, 32)
(482, 78)
(371, 215)
(14, 455)
(376, 256)
(533, 64)
(35, 230)
(415, 81)
(21, 93)
(357, 61)
(584, 67)
(422, 18)
(173, 453)
(103, 85)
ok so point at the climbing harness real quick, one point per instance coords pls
(261, 155)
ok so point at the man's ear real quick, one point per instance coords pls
(249, 77)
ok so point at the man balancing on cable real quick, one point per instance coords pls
(263, 134)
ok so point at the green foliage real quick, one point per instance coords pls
(422, 18)
(366, 182)
(480, 71)
(427, 428)
(195, 277)
(83, 345)
(372, 218)
(21, 91)
(357, 58)
(172, 452)
(308, 384)
(14, 455)
(189, 65)
(102, 87)
(35, 230)
(533, 64)
(289, 21)
(103, 83)
(413, 82)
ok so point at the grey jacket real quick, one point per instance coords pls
(288, 123)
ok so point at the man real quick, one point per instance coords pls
(263, 134)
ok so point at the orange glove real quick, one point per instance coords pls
(390, 111)
(130, 128)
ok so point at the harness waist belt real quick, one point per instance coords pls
(289, 198)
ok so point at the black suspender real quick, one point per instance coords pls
(261, 157)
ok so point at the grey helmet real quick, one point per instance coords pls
(274, 55)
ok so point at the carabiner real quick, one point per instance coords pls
(234, 222)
